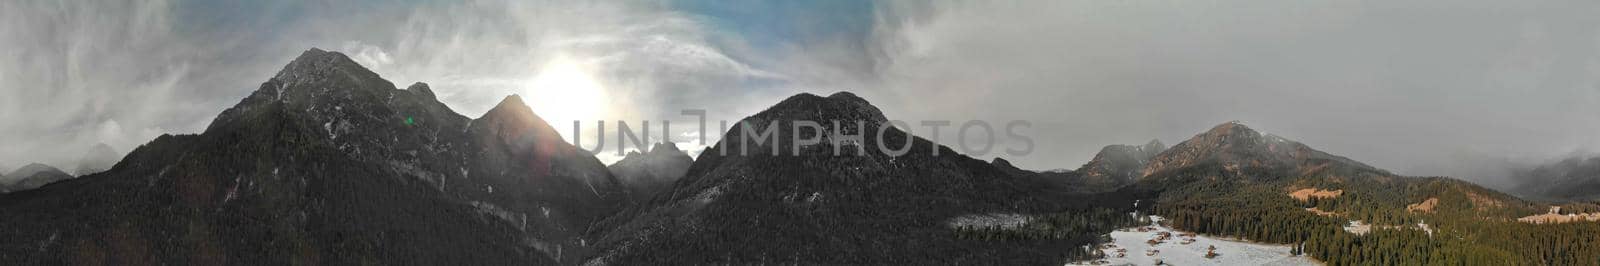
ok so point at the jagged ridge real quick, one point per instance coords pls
(328, 163)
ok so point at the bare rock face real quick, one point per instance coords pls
(326, 163)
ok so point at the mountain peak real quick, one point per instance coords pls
(665, 147)
(33, 168)
(1119, 164)
(659, 150)
(316, 64)
(846, 96)
(1006, 166)
(515, 125)
(421, 89)
(1234, 145)
(1154, 144)
(1231, 129)
(1000, 161)
(330, 87)
(842, 106)
(33, 176)
(512, 102)
(512, 107)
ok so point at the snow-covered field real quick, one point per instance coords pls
(1174, 252)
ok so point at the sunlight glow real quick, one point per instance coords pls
(564, 91)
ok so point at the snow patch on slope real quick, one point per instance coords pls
(991, 221)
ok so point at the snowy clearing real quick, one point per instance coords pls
(1136, 250)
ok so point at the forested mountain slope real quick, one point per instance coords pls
(784, 202)
(1234, 181)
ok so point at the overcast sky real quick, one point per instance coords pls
(1419, 87)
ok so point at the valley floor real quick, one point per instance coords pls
(1137, 251)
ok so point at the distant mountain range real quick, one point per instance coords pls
(98, 158)
(32, 176)
(1115, 166)
(648, 173)
(327, 163)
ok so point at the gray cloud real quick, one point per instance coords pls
(80, 73)
(1410, 86)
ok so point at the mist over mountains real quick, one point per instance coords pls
(98, 158)
(1575, 178)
